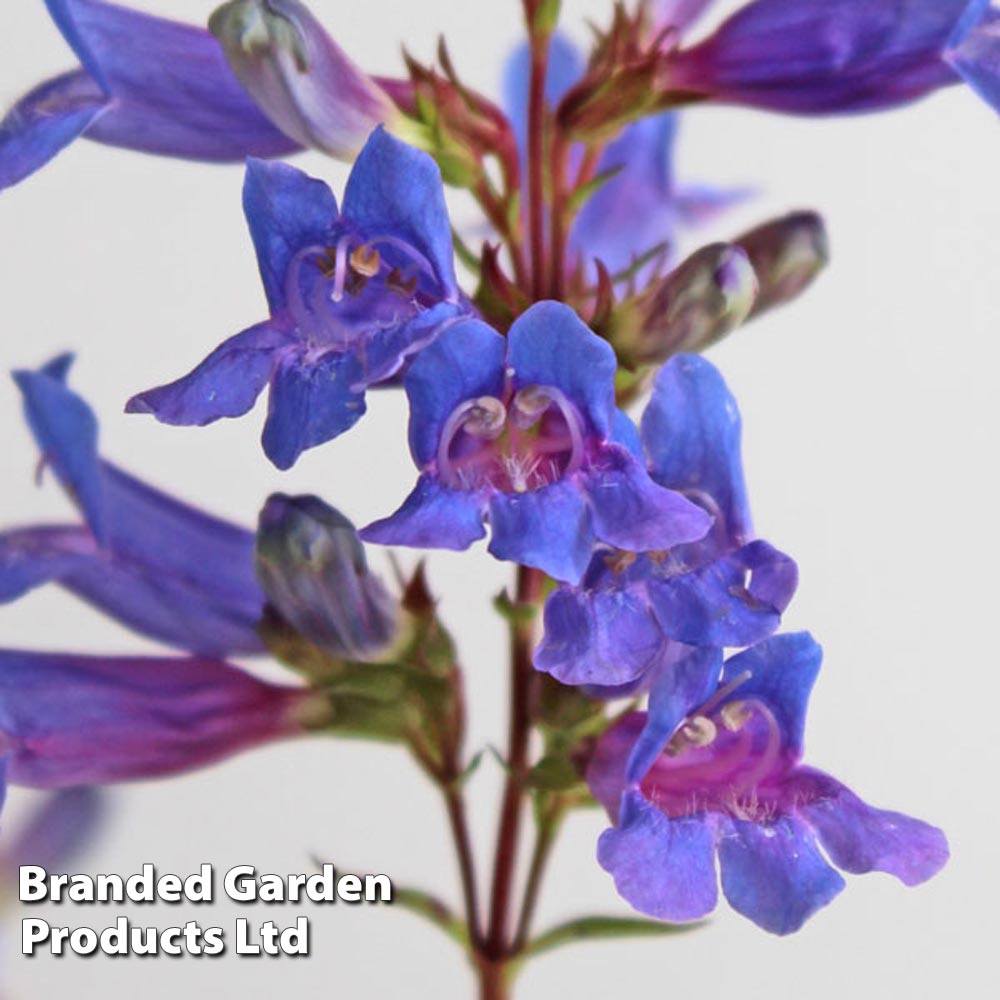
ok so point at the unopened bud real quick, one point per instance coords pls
(699, 302)
(299, 76)
(787, 254)
(314, 571)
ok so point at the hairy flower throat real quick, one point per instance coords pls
(531, 441)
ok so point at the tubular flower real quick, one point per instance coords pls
(144, 83)
(524, 434)
(635, 615)
(163, 568)
(81, 720)
(299, 76)
(827, 56)
(272, 83)
(353, 293)
(729, 782)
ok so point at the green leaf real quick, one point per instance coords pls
(430, 908)
(591, 928)
(554, 773)
(585, 192)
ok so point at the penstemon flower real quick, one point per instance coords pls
(353, 293)
(524, 432)
(729, 781)
(725, 589)
(648, 672)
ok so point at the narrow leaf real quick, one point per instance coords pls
(591, 928)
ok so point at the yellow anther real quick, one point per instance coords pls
(365, 260)
(699, 731)
(735, 715)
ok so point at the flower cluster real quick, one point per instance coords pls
(632, 534)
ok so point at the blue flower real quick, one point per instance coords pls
(827, 56)
(68, 720)
(974, 51)
(635, 616)
(165, 569)
(158, 86)
(729, 783)
(523, 433)
(353, 293)
(145, 83)
(57, 831)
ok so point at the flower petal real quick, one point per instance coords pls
(45, 121)
(783, 670)
(549, 529)
(172, 91)
(432, 517)
(859, 838)
(396, 190)
(65, 430)
(31, 557)
(550, 345)
(226, 384)
(384, 354)
(774, 874)
(158, 597)
(684, 681)
(56, 832)
(718, 605)
(77, 720)
(311, 402)
(664, 867)
(636, 209)
(691, 430)
(816, 58)
(300, 77)
(974, 53)
(464, 362)
(632, 512)
(605, 637)
(287, 211)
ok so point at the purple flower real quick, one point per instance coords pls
(352, 294)
(523, 433)
(729, 783)
(78, 720)
(163, 568)
(974, 51)
(299, 76)
(56, 831)
(633, 617)
(158, 86)
(145, 83)
(826, 56)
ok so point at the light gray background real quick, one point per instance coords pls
(870, 428)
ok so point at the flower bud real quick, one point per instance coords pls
(787, 254)
(313, 569)
(699, 302)
(299, 76)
